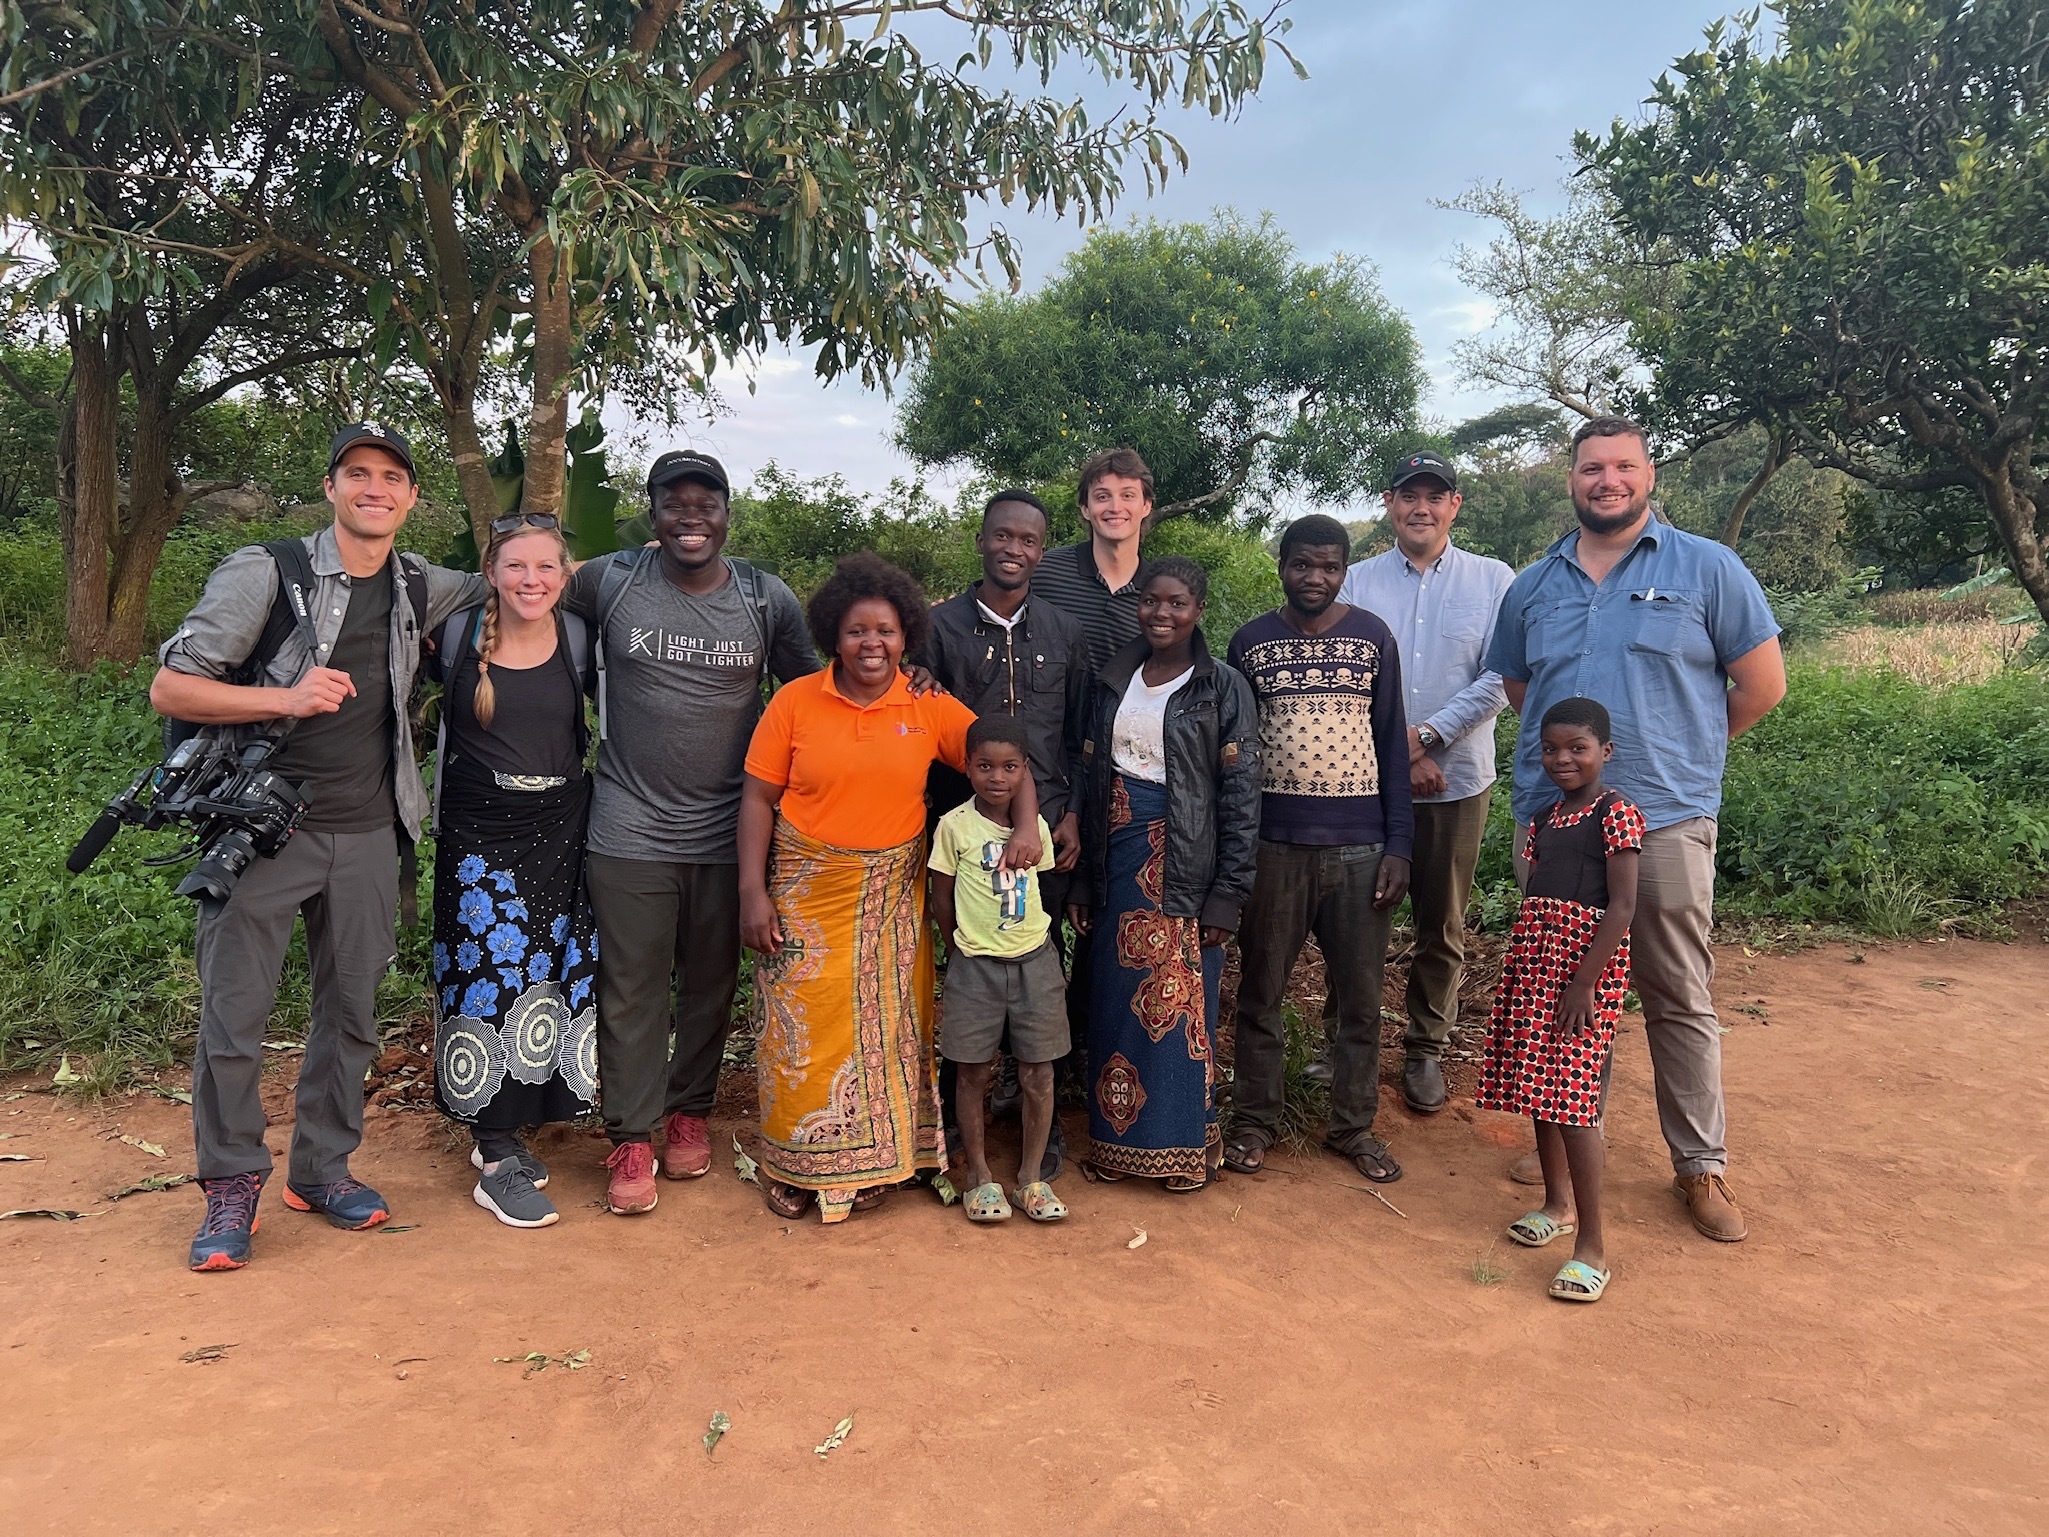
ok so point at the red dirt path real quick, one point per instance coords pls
(1283, 1355)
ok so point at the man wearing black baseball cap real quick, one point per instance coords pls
(686, 637)
(1440, 601)
(336, 690)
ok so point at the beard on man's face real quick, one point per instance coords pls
(1609, 522)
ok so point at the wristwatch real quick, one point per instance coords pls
(1429, 738)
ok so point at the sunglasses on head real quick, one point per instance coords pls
(506, 525)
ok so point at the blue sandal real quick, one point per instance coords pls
(1579, 1282)
(1534, 1229)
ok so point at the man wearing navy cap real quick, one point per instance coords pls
(687, 636)
(1439, 600)
(336, 691)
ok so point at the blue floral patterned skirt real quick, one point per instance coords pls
(515, 954)
(1152, 1006)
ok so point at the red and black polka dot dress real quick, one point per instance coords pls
(1530, 1067)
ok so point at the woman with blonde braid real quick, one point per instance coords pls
(515, 946)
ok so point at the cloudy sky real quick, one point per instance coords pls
(1407, 101)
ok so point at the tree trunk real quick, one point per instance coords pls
(547, 465)
(2014, 515)
(472, 463)
(1775, 458)
(156, 500)
(88, 487)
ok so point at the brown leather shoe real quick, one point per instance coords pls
(1712, 1208)
(632, 1187)
(1527, 1170)
(686, 1146)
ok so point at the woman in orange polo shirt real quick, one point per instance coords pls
(832, 896)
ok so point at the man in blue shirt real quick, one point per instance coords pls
(1672, 633)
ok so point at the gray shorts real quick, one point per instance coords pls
(984, 994)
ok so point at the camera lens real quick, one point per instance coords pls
(213, 879)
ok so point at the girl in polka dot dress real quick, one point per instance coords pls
(1562, 986)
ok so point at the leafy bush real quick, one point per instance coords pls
(1866, 799)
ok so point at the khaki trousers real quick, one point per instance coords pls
(1673, 969)
(1440, 884)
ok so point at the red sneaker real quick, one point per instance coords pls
(633, 1179)
(686, 1152)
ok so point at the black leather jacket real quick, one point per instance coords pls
(1213, 787)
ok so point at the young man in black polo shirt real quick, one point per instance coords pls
(1002, 649)
(1096, 581)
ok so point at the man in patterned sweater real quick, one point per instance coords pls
(1335, 836)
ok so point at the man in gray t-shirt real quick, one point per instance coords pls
(688, 637)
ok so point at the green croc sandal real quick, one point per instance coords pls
(985, 1203)
(1533, 1229)
(1038, 1202)
(1577, 1282)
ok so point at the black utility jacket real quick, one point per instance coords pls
(1038, 670)
(1212, 742)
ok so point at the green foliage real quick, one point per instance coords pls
(1869, 800)
(1806, 616)
(1851, 202)
(1239, 372)
(100, 962)
(1794, 536)
(799, 529)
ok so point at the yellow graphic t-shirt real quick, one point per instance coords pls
(995, 911)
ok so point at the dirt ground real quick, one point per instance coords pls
(1283, 1354)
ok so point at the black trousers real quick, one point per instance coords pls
(665, 931)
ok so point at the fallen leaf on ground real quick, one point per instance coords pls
(174, 1094)
(52, 1212)
(719, 1426)
(19, 1158)
(744, 1166)
(401, 1227)
(64, 1074)
(282, 1046)
(837, 1439)
(148, 1147)
(540, 1361)
(206, 1355)
(149, 1185)
(1138, 1240)
(944, 1189)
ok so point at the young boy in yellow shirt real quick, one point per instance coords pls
(1004, 973)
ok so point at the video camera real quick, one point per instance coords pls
(236, 808)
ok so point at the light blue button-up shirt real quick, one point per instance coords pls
(1441, 616)
(1653, 643)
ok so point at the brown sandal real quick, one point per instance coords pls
(1369, 1155)
(787, 1201)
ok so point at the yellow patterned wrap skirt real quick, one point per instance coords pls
(849, 1092)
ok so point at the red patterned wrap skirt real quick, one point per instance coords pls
(1531, 1067)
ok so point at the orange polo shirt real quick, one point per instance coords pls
(854, 775)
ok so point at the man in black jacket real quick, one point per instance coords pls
(1002, 651)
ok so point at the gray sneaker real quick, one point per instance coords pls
(534, 1166)
(510, 1195)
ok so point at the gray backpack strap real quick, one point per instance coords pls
(619, 571)
(754, 593)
